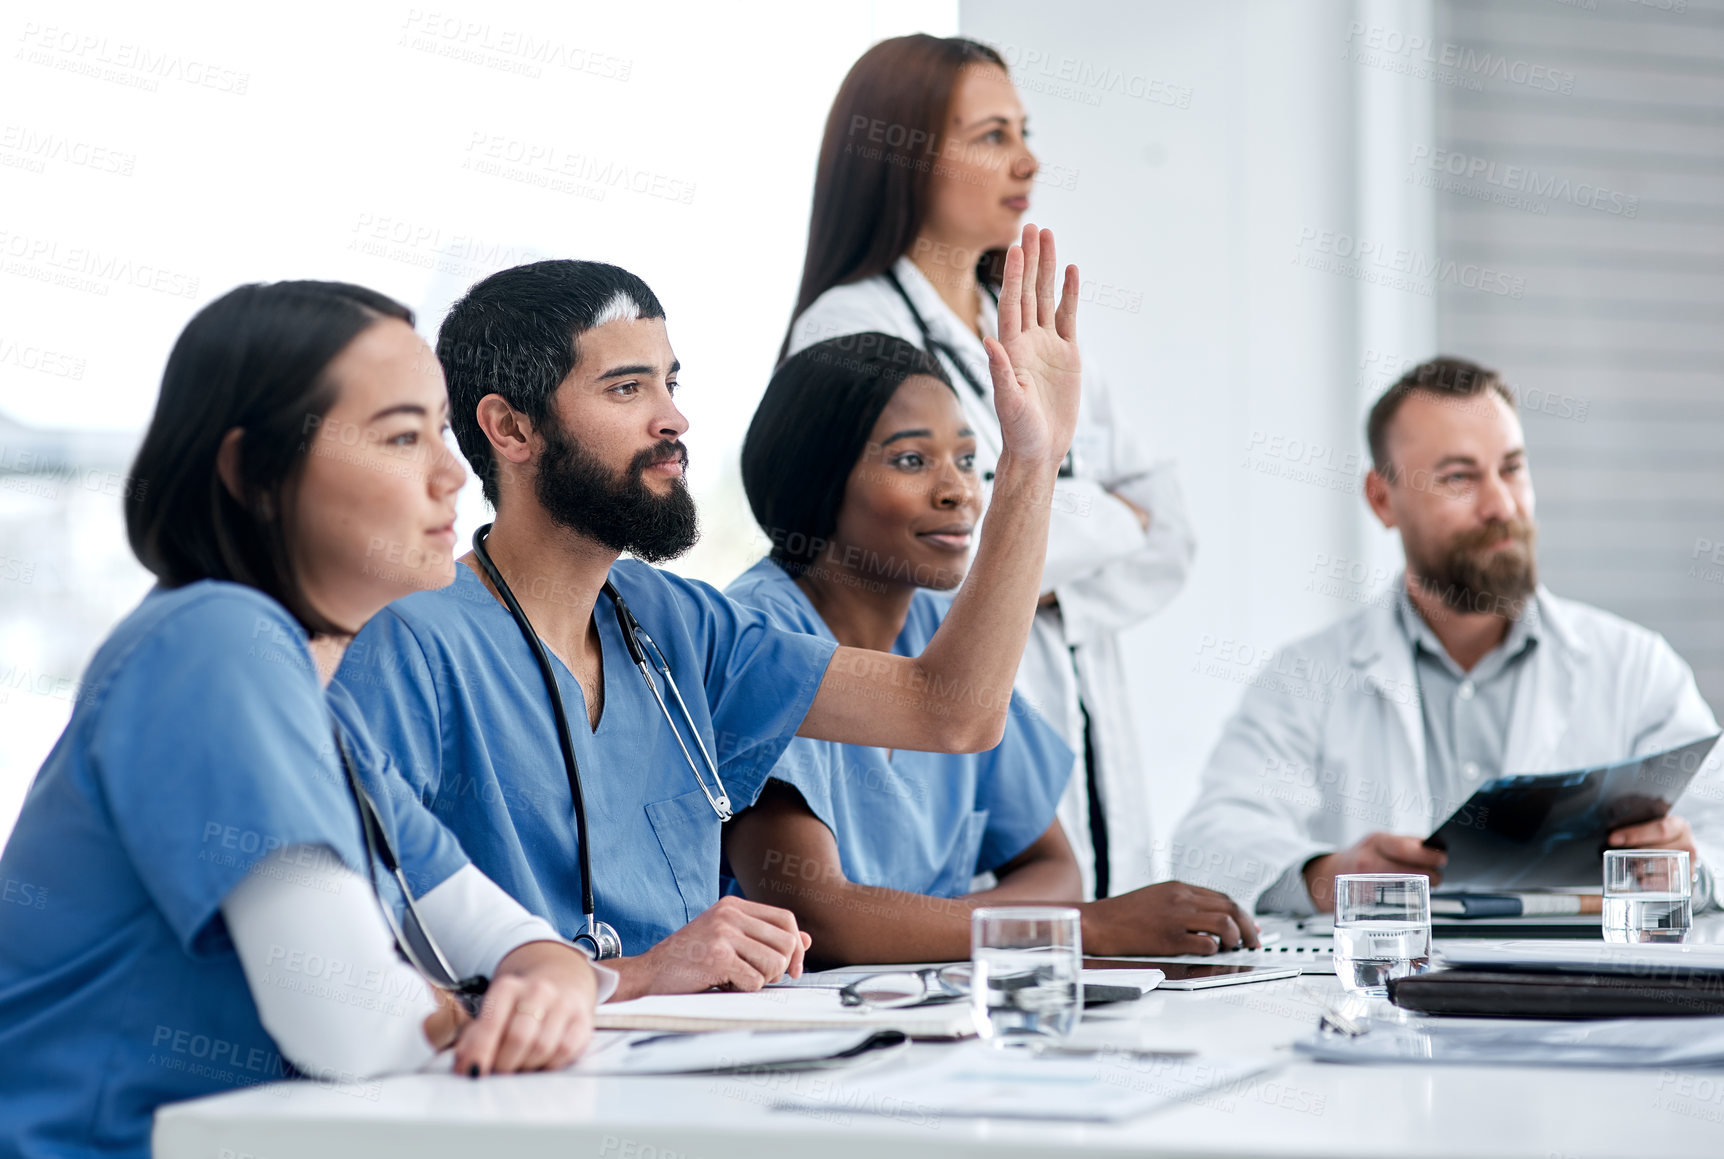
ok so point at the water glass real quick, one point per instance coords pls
(1646, 895)
(1382, 929)
(1026, 970)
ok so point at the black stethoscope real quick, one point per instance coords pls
(413, 938)
(934, 346)
(599, 938)
(936, 349)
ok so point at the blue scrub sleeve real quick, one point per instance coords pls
(213, 749)
(810, 766)
(1022, 780)
(393, 687)
(760, 683)
(429, 853)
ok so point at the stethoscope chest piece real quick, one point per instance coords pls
(601, 941)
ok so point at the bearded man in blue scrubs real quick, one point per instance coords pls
(561, 380)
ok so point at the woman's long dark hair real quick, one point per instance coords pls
(811, 427)
(256, 358)
(883, 138)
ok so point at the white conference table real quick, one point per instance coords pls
(1300, 1108)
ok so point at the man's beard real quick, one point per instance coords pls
(619, 511)
(1468, 577)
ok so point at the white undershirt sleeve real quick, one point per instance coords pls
(322, 968)
(477, 924)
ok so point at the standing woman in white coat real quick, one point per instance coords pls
(925, 174)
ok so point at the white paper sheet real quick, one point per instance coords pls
(1623, 1042)
(979, 1080)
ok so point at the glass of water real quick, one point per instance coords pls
(1026, 966)
(1382, 929)
(1646, 895)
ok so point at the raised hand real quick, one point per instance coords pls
(1035, 364)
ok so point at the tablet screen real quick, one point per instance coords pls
(1175, 971)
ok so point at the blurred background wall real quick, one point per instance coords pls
(1276, 208)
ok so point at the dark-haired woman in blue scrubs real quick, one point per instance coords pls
(861, 463)
(207, 918)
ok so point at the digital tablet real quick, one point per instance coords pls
(1549, 830)
(1193, 976)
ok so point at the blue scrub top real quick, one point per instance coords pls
(450, 687)
(200, 741)
(920, 822)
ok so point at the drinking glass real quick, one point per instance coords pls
(1026, 970)
(1382, 929)
(1646, 895)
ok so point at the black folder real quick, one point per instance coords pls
(1527, 994)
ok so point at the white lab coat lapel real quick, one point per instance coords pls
(1541, 717)
(945, 327)
(1385, 660)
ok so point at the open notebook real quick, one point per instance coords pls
(780, 1008)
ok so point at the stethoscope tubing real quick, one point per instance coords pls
(601, 939)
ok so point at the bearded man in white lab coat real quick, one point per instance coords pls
(1372, 732)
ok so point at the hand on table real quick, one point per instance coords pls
(734, 945)
(1169, 918)
(537, 1014)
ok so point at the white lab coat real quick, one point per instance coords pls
(1106, 571)
(1328, 744)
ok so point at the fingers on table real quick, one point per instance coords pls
(476, 1051)
(1190, 943)
(769, 947)
(1218, 922)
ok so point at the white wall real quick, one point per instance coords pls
(154, 156)
(1194, 156)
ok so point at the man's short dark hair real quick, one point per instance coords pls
(1446, 377)
(517, 333)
